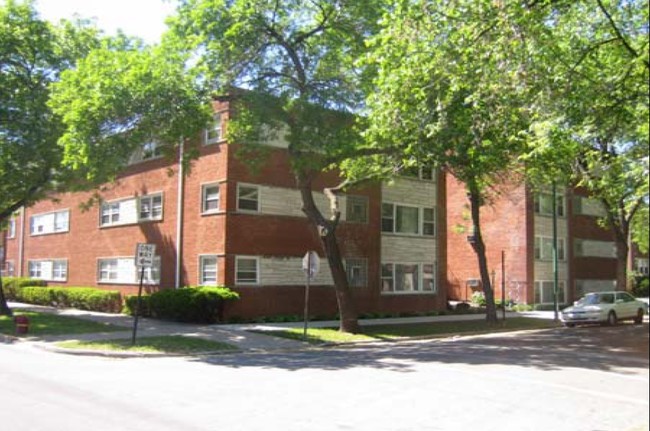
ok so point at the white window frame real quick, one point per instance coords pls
(202, 269)
(421, 222)
(356, 269)
(11, 229)
(9, 269)
(215, 127)
(247, 281)
(419, 288)
(111, 210)
(546, 243)
(239, 197)
(204, 198)
(35, 269)
(151, 274)
(641, 265)
(152, 207)
(543, 204)
(542, 285)
(56, 227)
(149, 150)
(58, 273)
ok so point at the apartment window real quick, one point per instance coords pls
(122, 270)
(544, 292)
(110, 213)
(641, 265)
(387, 218)
(210, 198)
(356, 209)
(208, 270)
(151, 207)
(11, 229)
(357, 271)
(60, 270)
(246, 270)
(423, 172)
(407, 278)
(544, 248)
(214, 132)
(54, 270)
(247, 198)
(543, 203)
(428, 222)
(148, 151)
(593, 248)
(53, 222)
(9, 269)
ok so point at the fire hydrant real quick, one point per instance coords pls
(22, 324)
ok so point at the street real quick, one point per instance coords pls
(562, 379)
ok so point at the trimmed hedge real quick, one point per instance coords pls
(82, 298)
(189, 304)
(11, 286)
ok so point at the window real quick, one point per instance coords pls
(53, 270)
(247, 198)
(9, 269)
(357, 271)
(544, 292)
(593, 248)
(110, 213)
(148, 151)
(407, 220)
(214, 132)
(428, 222)
(151, 207)
(122, 270)
(11, 229)
(407, 278)
(208, 270)
(356, 208)
(424, 172)
(641, 265)
(53, 222)
(210, 198)
(246, 270)
(543, 204)
(544, 248)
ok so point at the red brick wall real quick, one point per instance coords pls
(505, 226)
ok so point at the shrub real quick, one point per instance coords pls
(478, 298)
(188, 304)
(131, 302)
(82, 298)
(641, 287)
(12, 286)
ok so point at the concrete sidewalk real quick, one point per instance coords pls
(238, 335)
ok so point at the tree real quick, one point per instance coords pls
(448, 91)
(296, 58)
(593, 117)
(33, 54)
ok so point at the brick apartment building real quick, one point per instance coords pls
(519, 225)
(220, 224)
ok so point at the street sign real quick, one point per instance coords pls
(144, 255)
(311, 264)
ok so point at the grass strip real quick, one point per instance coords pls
(410, 330)
(52, 324)
(177, 344)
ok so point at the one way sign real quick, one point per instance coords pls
(144, 255)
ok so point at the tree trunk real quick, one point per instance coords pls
(622, 251)
(479, 248)
(327, 232)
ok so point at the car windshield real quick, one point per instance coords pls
(597, 298)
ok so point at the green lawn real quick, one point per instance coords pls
(52, 324)
(401, 331)
(163, 344)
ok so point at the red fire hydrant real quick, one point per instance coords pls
(22, 324)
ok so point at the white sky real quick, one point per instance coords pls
(142, 18)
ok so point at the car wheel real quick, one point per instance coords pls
(611, 318)
(569, 325)
(639, 317)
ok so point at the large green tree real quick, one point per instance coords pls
(33, 53)
(591, 119)
(296, 58)
(448, 91)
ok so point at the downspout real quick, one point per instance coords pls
(21, 242)
(179, 215)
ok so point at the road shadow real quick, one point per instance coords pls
(623, 348)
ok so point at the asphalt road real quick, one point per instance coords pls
(593, 378)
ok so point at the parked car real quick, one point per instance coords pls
(604, 307)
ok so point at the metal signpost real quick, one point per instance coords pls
(310, 265)
(144, 257)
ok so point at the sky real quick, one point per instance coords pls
(142, 18)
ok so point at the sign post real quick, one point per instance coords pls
(310, 265)
(144, 257)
